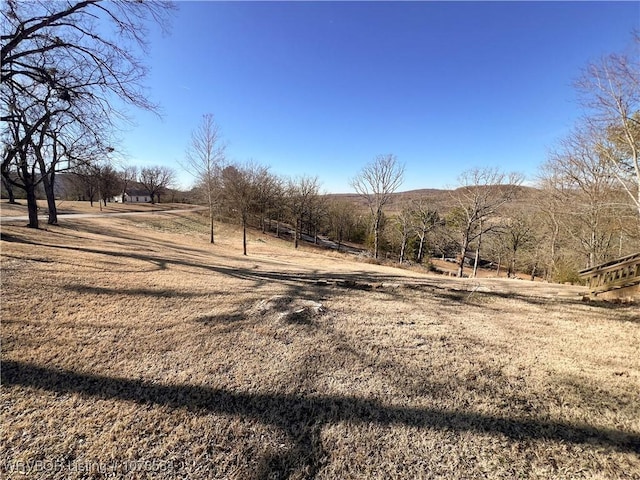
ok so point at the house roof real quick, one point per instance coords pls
(137, 193)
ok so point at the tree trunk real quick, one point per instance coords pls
(403, 247)
(211, 224)
(592, 254)
(47, 183)
(48, 178)
(9, 188)
(376, 231)
(32, 204)
(620, 246)
(295, 233)
(552, 267)
(244, 235)
(421, 247)
(533, 271)
(477, 259)
(475, 262)
(463, 253)
(512, 266)
(30, 190)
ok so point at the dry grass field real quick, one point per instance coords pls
(133, 348)
(66, 207)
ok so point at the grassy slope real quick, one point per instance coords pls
(69, 206)
(134, 340)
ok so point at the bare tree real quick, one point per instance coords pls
(240, 193)
(277, 206)
(341, 220)
(99, 180)
(517, 235)
(86, 182)
(128, 175)
(580, 177)
(425, 219)
(610, 90)
(156, 180)
(317, 215)
(62, 78)
(109, 183)
(376, 183)
(403, 223)
(481, 194)
(301, 194)
(268, 196)
(9, 189)
(550, 203)
(205, 160)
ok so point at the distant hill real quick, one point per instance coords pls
(441, 199)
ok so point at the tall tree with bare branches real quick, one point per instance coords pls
(127, 176)
(580, 177)
(610, 91)
(481, 194)
(156, 180)
(205, 160)
(301, 194)
(240, 193)
(376, 183)
(425, 219)
(65, 78)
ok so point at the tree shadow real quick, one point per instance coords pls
(221, 319)
(315, 281)
(311, 284)
(303, 417)
(127, 236)
(162, 293)
(8, 237)
(464, 296)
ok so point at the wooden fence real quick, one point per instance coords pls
(623, 273)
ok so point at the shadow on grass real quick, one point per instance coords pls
(484, 299)
(147, 292)
(295, 280)
(221, 319)
(309, 285)
(7, 237)
(302, 417)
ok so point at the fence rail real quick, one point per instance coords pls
(621, 273)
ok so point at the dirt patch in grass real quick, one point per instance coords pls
(133, 347)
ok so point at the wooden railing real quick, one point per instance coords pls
(621, 273)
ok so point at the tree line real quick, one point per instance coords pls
(69, 70)
(576, 215)
(66, 86)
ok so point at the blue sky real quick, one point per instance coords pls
(321, 88)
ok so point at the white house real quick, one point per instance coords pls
(133, 196)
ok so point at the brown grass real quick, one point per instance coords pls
(132, 346)
(68, 206)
